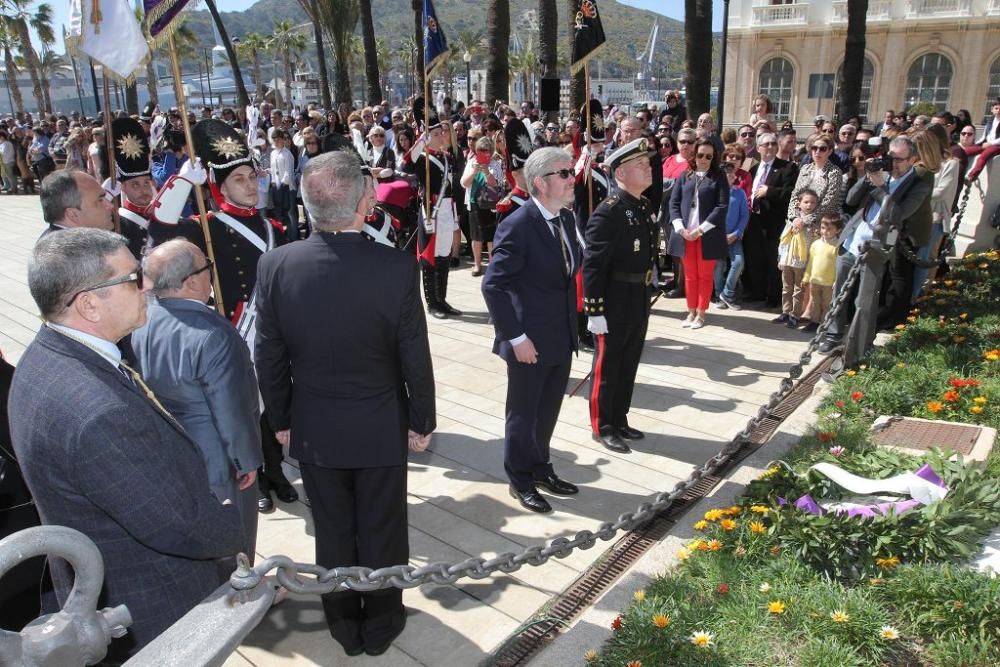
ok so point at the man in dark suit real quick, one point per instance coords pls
(530, 291)
(201, 371)
(773, 182)
(103, 457)
(72, 199)
(348, 313)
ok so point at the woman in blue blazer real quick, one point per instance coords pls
(699, 224)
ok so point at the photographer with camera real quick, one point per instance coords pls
(893, 194)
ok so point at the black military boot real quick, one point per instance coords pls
(443, 270)
(430, 279)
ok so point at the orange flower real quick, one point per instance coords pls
(958, 339)
(616, 624)
(951, 396)
(722, 589)
(634, 663)
(934, 406)
(713, 545)
(757, 528)
(727, 524)
(661, 620)
(825, 436)
(857, 396)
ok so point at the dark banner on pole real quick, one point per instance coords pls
(588, 36)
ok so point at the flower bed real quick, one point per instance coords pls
(769, 584)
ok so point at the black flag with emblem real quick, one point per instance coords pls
(588, 33)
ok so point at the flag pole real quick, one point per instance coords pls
(198, 197)
(590, 153)
(427, 155)
(109, 144)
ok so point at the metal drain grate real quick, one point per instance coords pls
(912, 434)
(591, 584)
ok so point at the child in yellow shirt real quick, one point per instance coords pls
(821, 270)
(793, 255)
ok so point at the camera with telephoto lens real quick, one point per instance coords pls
(878, 163)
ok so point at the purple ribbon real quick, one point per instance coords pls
(807, 504)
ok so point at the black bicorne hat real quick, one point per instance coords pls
(519, 144)
(418, 115)
(147, 112)
(131, 148)
(220, 148)
(595, 111)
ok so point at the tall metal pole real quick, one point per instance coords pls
(93, 82)
(590, 153)
(109, 144)
(208, 71)
(722, 67)
(76, 82)
(198, 197)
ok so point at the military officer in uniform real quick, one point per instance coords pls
(436, 228)
(519, 147)
(132, 166)
(240, 235)
(619, 266)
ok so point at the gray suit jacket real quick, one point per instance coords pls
(200, 369)
(100, 458)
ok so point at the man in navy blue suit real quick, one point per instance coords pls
(530, 291)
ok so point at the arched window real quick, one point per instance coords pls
(992, 89)
(929, 80)
(776, 83)
(867, 76)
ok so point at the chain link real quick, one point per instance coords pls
(364, 579)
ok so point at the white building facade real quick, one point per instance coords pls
(946, 52)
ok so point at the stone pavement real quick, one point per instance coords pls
(694, 391)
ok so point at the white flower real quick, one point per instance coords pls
(764, 587)
(889, 632)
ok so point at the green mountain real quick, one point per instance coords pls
(627, 29)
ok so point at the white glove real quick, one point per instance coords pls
(112, 189)
(597, 325)
(193, 172)
(386, 173)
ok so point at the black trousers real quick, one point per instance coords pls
(359, 516)
(899, 292)
(270, 476)
(761, 278)
(534, 396)
(617, 353)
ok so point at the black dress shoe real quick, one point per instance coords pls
(355, 651)
(630, 433)
(611, 440)
(675, 293)
(286, 494)
(829, 345)
(382, 648)
(780, 319)
(531, 500)
(448, 310)
(264, 503)
(792, 322)
(810, 327)
(560, 487)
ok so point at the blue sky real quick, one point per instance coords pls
(671, 8)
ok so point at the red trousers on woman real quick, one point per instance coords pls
(699, 276)
(985, 153)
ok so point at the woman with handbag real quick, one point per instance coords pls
(699, 204)
(481, 180)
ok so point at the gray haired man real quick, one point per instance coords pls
(201, 370)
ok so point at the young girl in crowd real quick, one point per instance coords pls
(793, 255)
(821, 270)
(737, 217)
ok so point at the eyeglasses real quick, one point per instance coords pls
(562, 173)
(705, 156)
(898, 159)
(744, 135)
(208, 265)
(552, 129)
(820, 149)
(858, 158)
(847, 133)
(134, 277)
(684, 141)
(764, 144)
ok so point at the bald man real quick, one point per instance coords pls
(200, 369)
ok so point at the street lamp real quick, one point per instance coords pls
(467, 57)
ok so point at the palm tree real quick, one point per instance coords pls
(186, 44)
(498, 38)
(250, 47)
(51, 66)
(406, 55)
(17, 18)
(372, 80)
(384, 56)
(548, 38)
(8, 42)
(286, 40)
(311, 8)
(241, 90)
(339, 18)
(698, 38)
(854, 58)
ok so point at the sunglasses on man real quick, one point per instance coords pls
(134, 277)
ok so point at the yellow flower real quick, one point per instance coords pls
(759, 509)
(702, 639)
(839, 616)
(590, 656)
(714, 515)
(900, 327)
(729, 524)
(911, 318)
(701, 525)
(889, 632)
(764, 587)
(979, 400)
(683, 554)
(661, 620)
(875, 581)
(773, 470)
(992, 356)
(713, 545)
(776, 607)
(887, 563)
(963, 316)
(901, 365)
(757, 528)
(639, 595)
(696, 544)
(976, 409)
(851, 373)
(734, 510)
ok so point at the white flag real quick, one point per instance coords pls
(107, 32)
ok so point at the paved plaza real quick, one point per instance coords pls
(694, 391)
